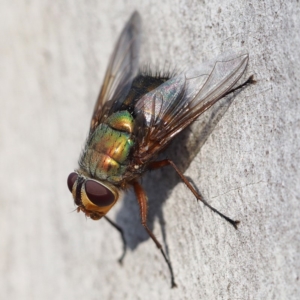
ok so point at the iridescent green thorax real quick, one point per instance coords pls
(105, 156)
(107, 151)
(121, 121)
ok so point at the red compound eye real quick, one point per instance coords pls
(98, 194)
(71, 180)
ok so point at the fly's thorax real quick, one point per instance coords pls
(121, 121)
(106, 153)
(95, 198)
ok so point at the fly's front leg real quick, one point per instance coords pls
(166, 162)
(116, 226)
(142, 201)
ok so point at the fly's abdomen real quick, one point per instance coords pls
(106, 153)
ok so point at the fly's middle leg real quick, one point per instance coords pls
(142, 201)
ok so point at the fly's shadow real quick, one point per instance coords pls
(159, 183)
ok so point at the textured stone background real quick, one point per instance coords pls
(53, 56)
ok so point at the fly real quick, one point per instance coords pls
(135, 118)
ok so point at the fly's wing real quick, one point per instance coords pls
(121, 70)
(167, 110)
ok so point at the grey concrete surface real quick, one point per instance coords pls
(53, 56)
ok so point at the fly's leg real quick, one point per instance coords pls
(142, 201)
(166, 162)
(120, 260)
(250, 80)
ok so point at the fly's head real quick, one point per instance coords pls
(92, 197)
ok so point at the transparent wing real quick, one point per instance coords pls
(122, 69)
(174, 105)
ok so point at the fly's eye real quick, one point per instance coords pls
(71, 180)
(98, 194)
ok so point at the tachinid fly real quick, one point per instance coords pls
(135, 118)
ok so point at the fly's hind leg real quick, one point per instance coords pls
(167, 162)
(250, 80)
(142, 201)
